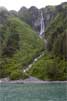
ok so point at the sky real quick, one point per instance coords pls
(17, 4)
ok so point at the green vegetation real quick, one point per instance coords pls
(53, 65)
(19, 45)
(49, 68)
(56, 34)
(17, 74)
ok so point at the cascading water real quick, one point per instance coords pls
(42, 31)
(42, 28)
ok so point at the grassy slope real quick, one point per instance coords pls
(24, 43)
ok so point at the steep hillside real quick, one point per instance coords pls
(32, 16)
(56, 35)
(19, 44)
(49, 67)
(3, 15)
(53, 65)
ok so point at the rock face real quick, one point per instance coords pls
(3, 15)
(32, 16)
(13, 13)
(3, 9)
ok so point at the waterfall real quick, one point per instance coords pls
(42, 28)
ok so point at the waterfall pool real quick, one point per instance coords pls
(33, 92)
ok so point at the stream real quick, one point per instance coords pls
(42, 31)
(35, 60)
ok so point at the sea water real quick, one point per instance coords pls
(33, 92)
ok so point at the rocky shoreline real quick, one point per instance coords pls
(29, 80)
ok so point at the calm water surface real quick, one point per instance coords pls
(33, 92)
